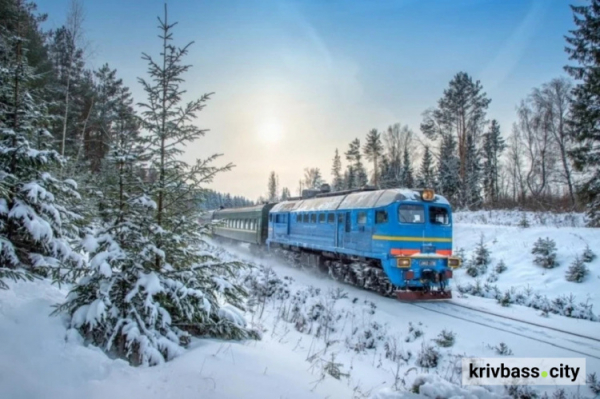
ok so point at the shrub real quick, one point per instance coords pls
(593, 383)
(524, 223)
(588, 255)
(428, 357)
(481, 258)
(503, 349)
(445, 338)
(545, 251)
(577, 271)
(506, 299)
(500, 267)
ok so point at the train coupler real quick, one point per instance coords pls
(423, 295)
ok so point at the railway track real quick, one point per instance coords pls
(573, 342)
(370, 279)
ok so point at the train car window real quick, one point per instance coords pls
(381, 217)
(347, 226)
(330, 218)
(305, 218)
(361, 218)
(438, 215)
(313, 218)
(321, 218)
(411, 214)
(340, 218)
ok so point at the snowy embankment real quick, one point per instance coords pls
(507, 240)
(320, 338)
(41, 359)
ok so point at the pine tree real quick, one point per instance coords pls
(373, 150)
(352, 172)
(285, 194)
(273, 187)
(336, 172)
(68, 66)
(349, 178)
(461, 112)
(471, 191)
(448, 168)
(426, 173)
(407, 172)
(493, 145)
(154, 279)
(356, 173)
(36, 223)
(583, 48)
(312, 178)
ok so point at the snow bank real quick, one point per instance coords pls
(513, 245)
(41, 359)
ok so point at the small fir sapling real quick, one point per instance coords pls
(545, 253)
(577, 271)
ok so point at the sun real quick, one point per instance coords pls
(270, 131)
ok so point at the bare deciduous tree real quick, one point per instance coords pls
(553, 100)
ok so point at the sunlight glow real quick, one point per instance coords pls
(270, 131)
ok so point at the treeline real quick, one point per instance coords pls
(214, 200)
(547, 160)
(464, 155)
(95, 194)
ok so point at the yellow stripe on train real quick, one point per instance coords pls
(415, 239)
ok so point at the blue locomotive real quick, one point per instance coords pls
(393, 241)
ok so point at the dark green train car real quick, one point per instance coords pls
(248, 224)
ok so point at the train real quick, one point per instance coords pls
(397, 242)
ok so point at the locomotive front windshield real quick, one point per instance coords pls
(438, 215)
(411, 214)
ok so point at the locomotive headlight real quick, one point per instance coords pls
(428, 195)
(453, 262)
(403, 262)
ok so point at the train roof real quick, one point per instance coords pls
(361, 199)
(252, 208)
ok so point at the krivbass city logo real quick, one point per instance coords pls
(523, 371)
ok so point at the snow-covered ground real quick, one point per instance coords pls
(320, 338)
(512, 244)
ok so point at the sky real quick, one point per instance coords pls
(294, 80)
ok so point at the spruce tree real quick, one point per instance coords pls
(37, 225)
(493, 145)
(336, 173)
(373, 150)
(407, 172)
(273, 187)
(353, 158)
(471, 193)
(460, 112)
(154, 279)
(357, 175)
(448, 167)
(583, 48)
(426, 177)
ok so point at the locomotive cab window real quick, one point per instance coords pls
(438, 215)
(411, 214)
(381, 217)
(361, 218)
